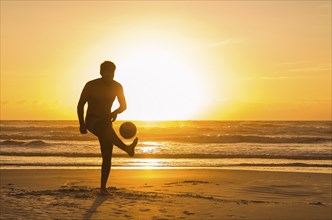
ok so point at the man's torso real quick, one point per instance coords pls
(101, 96)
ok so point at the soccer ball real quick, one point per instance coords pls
(128, 130)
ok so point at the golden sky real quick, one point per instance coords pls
(219, 60)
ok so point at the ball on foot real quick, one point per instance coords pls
(128, 130)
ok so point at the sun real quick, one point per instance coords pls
(160, 82)
(163, 76)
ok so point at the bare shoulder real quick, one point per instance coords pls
(117, 85)
(93, 83)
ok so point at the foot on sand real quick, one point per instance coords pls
(104, 192)
(131, 150)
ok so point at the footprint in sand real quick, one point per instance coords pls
(188, 213)
(192, 182)
(118, 211)
(234, 216)
(162, 210)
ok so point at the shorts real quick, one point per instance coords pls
(96, 124)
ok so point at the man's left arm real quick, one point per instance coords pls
(123, 104)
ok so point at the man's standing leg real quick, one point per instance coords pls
(106, 148)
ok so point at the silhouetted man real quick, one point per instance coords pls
(100, 94)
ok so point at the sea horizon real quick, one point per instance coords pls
(175, 120)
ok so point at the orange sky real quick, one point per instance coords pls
(255, 60)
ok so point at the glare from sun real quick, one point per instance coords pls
(160, 82)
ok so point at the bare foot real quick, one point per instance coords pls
(131, 150)
(104, 192)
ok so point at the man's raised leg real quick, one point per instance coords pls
(130, 150)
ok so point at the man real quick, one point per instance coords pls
(100, 94)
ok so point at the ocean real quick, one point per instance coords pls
(295, 146)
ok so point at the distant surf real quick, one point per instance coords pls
(296, 145)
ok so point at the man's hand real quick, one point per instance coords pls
(113, 116)
(83, 129)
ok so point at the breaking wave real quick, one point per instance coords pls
(24, 143)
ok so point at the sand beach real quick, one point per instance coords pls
(230, 102)
(165, 194)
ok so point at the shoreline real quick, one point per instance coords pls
(165, 194)
(319, 170)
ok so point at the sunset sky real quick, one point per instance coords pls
(218, 60)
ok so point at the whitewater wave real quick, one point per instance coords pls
(222, 139)
(250, 139)
(38, 143)
(173, 156)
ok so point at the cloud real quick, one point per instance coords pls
(21, 102)
(276, 77)
(224, 42)
(295, 62)
(324, 6)
(310, 69)
(305, 66)
(283, 77)
(35, 102)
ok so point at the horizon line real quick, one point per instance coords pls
(174, 120)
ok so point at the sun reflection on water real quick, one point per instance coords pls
(149, 163)
(148, 149)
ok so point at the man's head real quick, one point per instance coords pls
(107, 69)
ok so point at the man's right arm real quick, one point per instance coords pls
(80, 110)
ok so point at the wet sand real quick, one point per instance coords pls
(165, 194)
